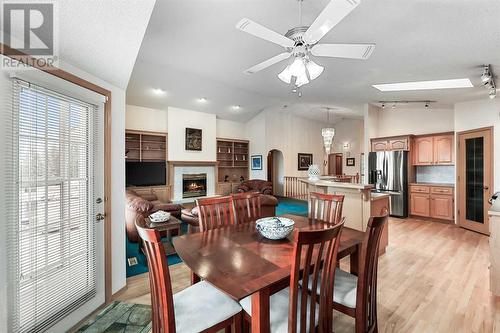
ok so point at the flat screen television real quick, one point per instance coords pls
(145, 173)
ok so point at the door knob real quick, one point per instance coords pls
(100, 217)
(486, 187)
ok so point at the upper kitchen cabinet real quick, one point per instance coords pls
(391, 143)
(443, 149)
(423, 152)
(434, 150)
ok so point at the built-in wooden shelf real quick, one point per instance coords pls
(232, 161)
(145, 146)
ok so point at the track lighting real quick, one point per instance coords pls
(486, 76)
(488, 80)
(427, 103)
(493, 93)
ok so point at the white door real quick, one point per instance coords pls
(57, 264)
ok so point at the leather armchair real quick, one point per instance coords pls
(144, 205)
(190, 216)
(257, 185)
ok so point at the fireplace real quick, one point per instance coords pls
(194, 185)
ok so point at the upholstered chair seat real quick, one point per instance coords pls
(202, 306)
(278, 304)
(345, 288)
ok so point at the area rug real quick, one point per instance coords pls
(120, 317)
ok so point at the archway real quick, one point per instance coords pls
(276, 171)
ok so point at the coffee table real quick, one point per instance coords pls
(166, 228)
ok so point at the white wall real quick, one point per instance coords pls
(179, 120)
(231, 129)
(277, 128)
(403, 121)
(146, 119)
(477, 114)
(256, 133)
(350, 132)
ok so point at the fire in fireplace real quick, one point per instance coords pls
(194, 185)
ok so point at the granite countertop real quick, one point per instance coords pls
(329, 183)
(495, 209)
(434, 184)
(377, 196)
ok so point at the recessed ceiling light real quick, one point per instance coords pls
(202, 100)
(159, 91)
(236, 107)
(425, 85)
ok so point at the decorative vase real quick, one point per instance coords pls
(313, 172)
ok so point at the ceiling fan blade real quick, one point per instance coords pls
(352, 51)
(260, 31)
(333, 13)
(267, 63)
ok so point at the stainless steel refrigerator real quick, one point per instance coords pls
(388, 171)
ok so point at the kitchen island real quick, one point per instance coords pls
(359, 203)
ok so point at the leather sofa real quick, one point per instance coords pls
(258, 185)
(144, 205)
(190, 216)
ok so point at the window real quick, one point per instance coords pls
(52, 240)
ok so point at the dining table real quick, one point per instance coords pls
(240, 262)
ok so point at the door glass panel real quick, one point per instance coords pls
(474, 179)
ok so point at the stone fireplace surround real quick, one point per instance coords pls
(178, 168)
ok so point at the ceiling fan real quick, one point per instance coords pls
(302, 41)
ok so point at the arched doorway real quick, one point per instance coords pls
(276, 171)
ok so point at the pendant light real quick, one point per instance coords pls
(328, 133)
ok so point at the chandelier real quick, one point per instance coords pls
(328, 133)
(303, 69)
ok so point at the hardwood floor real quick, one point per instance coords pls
(433, 278)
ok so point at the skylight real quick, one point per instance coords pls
(425, 85)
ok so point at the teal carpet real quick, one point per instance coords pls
(285, 206)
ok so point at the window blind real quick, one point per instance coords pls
(52, 235)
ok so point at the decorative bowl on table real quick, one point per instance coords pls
(274, 227)
(159, 216)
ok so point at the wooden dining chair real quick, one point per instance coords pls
(247, 206)
(326, 207)
(215, 213)
(198, 308)
(354, 295)
(294, 309)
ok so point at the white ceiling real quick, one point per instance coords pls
(103, 37)
(191, 49)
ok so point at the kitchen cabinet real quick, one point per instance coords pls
(434, 150)
(432, 201)
(391, 143)
(380, 145)
(419, 204)
(443, 149)
(441, 207)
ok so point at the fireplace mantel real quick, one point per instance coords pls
(173, 173)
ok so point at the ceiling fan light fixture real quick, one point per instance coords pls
(301, 79)
(285, 75)
(314, 69)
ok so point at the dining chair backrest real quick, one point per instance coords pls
(247, 206)
(162, 303)
(326, 207)
(310, 248)
(215, 213)
(366, 308)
